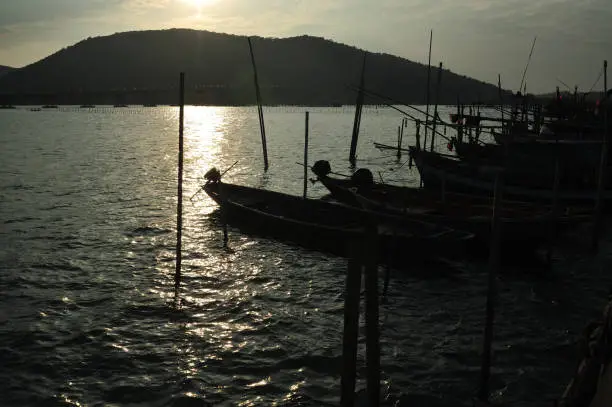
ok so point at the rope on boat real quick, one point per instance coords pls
(597, 81)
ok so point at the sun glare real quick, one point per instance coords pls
(200, 3)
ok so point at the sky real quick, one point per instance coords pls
(477, 38)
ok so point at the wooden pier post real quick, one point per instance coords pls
(306, 155)
(351, 324)
(601, 185)
(435, 115)
(262, 127)
(494, 252)
(372, 315)
(358, 109)
(179, 204)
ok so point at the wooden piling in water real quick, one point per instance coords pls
(262, 127)
(602, 165)
(179, 204)
(494, 252)
(358, 109)
(306, 155)
(351, 324)
(372, 315)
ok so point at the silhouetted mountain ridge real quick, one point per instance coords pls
(297, 70)
(5, 69)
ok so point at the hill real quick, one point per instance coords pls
(143, 67)
(5, 69)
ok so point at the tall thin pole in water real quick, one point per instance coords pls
(179, 205)
(358, 108)
(306, 156)
(262, 127)
(485, 368)
(372, 316)
(427, 93)
(351, 323)
(602, 164)
(435, 115)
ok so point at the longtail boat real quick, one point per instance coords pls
(332, 227)
(525, 225)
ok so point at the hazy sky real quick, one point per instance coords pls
(477, 38)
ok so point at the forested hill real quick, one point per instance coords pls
(143, 67)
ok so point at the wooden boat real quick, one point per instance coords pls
(332, 227)
(439, 171)
(524, 225)
(544, 138)
(578, 161)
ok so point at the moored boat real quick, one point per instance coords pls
(332, 227)
(524, 225)
(438, 171)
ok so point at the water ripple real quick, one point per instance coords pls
(90, 313)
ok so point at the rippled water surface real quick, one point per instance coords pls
(89, 315)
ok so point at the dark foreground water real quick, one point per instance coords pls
(88, 311)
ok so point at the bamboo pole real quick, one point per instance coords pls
(351, 325)
(179, 205)
(494, 251)
(602, 166)
(306, 155)
(262, 127)
(358, 108)
(427, 93)
(435, 115)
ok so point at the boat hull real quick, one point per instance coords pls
(453, 175)
(334, 228)
(523, 225)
